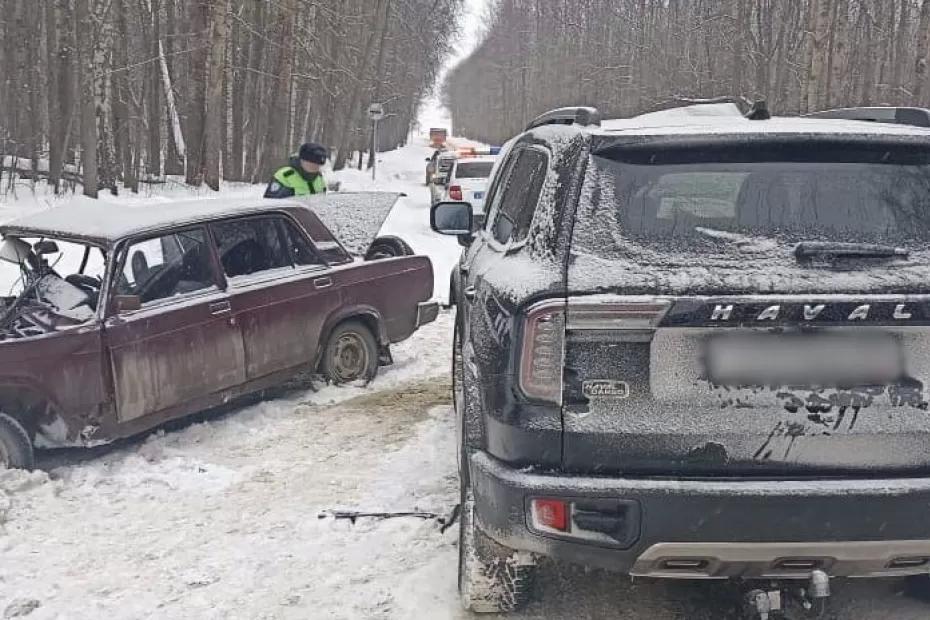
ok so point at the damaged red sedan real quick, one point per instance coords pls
(127, 317)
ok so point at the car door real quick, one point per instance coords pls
(179, 344)
(280, 288)
(511, 205)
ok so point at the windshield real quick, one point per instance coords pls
(700, 203)
(67, 261)
(474, 170)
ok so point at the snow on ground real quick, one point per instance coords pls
(218, 517)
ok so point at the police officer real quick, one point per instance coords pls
(302, 176)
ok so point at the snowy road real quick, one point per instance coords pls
(218, 518)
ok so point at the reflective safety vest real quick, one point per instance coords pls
(290, 177)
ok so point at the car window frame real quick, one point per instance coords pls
(122, 253)
(267, 275)
(283, 220)
(514, 155)
(492, 207)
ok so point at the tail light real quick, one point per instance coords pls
(543, 352)
(548, 515)
(455, 192)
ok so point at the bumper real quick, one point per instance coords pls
(721, 529)
(427, 312)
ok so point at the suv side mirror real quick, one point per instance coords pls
(452, 218)
(438, 180)
(43, 248)
(127, 303)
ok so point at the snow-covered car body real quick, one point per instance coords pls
(695, 344)
(468, 181)
(198, 303)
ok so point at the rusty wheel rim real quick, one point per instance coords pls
(350, 357)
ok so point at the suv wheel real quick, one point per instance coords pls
(15, 447)
(492, 578)
(351, 354)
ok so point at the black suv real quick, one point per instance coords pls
(693, 344)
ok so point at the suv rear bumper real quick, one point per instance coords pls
(721, 529)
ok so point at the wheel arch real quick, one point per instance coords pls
(367, 315)
(27, 404)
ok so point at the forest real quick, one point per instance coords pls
(632, 56)
(109, 94)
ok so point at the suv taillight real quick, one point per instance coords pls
(455, 192)
(542, 353)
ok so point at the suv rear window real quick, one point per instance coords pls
(700, 200)
(474, 170)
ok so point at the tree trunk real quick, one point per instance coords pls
(275, 147)
(817, 94)
(923, 47)
(215, 105)
(84, 27)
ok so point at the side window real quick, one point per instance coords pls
(496, 189)
(167, 266)
(301, 251)
(518, 198)
(250, 246)
(325, 242)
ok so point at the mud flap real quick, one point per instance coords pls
(384, 356)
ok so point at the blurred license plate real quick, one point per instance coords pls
(479, 195)
(804, 359)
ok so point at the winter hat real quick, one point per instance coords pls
(313, 152)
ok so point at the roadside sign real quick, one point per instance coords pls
(376, 111)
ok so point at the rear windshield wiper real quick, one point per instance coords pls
(830, 250)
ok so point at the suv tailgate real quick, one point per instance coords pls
(699, 343)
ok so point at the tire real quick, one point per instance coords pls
(492, 578)
(351, 354)
(458, 401)
(388, 247)
(15, 446)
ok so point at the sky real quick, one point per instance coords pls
(470, 31)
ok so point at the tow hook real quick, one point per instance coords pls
(818, 591)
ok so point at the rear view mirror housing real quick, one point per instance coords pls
(455, 219)
(45, 247)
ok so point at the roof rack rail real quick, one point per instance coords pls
(567, 116)
(917, 117)
(678, 101)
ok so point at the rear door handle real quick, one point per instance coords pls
(470, 293)
(220, 308)
(324, 282)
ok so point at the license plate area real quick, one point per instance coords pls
(820, 359)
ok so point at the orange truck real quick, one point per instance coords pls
(438, 137)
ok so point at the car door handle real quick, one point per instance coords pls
(323, 282)
(470, 293)
(220, 308)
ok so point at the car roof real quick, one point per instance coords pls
(105, 223)
(726, 118)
